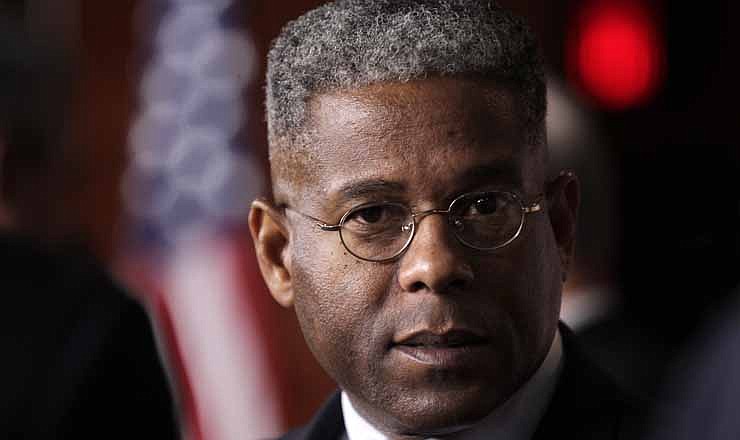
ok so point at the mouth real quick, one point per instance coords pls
(450, 349)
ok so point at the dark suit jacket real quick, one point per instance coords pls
(79, 358)
(587, 405)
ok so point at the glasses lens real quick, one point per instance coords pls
(486, 220)
(377, 231)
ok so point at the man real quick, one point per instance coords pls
(79, 355)
(413, 230)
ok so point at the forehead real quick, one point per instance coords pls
(421, 135)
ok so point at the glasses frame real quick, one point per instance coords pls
(526, 208)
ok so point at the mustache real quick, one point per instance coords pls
(433, 314)
(436, 316)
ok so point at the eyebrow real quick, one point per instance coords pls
(370, 187)
(502, 169)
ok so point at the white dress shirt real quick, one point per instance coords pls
(516, 419)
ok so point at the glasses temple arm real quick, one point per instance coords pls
(319, 223)
(324, 227)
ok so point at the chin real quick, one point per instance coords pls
(438, 413)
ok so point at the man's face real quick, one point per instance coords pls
(439, 337)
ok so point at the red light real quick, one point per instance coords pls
(616, 53)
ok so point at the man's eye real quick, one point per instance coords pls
(483, 205)
(369, 215)
(375, 217)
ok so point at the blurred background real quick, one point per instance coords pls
(168, 148)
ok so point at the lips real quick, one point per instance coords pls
(448, 350)
(452, 339)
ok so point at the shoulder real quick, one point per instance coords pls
(327, 424)
(89, 351)
(588, 403)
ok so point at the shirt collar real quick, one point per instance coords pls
(516, 419)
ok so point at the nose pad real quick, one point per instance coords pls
(434, 260)
(459, 225)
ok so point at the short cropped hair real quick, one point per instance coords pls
(349, 44)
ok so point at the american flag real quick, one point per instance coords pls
(187, 191)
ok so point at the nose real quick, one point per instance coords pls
(434, 261)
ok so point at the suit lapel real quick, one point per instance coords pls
(587, 403)
(327, 424)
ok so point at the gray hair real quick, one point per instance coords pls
(349, 44)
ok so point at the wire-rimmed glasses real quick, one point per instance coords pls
(382, 231)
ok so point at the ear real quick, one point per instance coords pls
(564, 196)
(271, 241)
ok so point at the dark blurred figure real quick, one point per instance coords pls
(703, 394)
(681, 258)
(78, 354)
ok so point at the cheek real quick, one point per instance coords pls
(525, 287)
(540, 274)
(337, 302)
